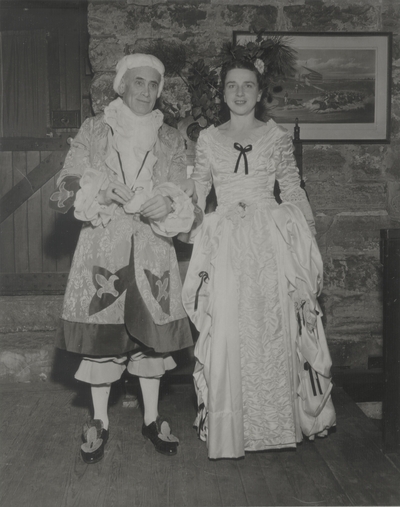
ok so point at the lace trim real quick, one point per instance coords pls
(252, 137)
(87, 207)
(297, 195)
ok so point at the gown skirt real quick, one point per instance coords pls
(255, 271)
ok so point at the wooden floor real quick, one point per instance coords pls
(41, 466)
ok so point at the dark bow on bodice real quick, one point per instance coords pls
(243, 152)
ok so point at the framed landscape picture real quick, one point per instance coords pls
(339, 88)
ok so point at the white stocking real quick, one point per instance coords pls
(150, 389)
(100, 395)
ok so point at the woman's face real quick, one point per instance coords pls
(241, 91)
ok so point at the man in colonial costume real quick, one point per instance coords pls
(122, 307)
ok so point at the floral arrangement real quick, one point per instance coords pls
(273, 57)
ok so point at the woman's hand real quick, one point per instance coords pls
(156, 208)
(189, 188)
(115, 192)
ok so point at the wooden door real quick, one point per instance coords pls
(36, 244)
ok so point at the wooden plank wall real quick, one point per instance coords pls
(7, 257)
(35, 242)
(33, 239)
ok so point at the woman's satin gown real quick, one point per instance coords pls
(252, 260)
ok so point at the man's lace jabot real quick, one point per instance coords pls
(133, 137)
(141, 130)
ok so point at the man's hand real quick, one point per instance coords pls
(156, 208)
(115, 192)
(189, 188)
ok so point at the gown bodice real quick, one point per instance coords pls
(270, 158)
(258, 183)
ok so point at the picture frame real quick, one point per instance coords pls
(340, 89)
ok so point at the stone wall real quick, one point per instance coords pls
(354, 188)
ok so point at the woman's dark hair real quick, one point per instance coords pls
(260, 109)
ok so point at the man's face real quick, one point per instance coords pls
(141, 88)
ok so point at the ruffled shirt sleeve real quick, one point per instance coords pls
(288, 177)
(181, 219)
(91, 181)
(87, 207)
(75, 164)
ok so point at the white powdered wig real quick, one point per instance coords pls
(138, 60)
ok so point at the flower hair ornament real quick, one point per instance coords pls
(259, 65)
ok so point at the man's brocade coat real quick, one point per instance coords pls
(123, 275)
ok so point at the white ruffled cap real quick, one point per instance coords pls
(138, 60)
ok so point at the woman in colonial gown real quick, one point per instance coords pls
(252, 285)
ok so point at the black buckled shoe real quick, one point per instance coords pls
(95, 437)
(159, 433)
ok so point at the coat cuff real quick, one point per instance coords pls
(63, 198)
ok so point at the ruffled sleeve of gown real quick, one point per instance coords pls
(288, 177)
